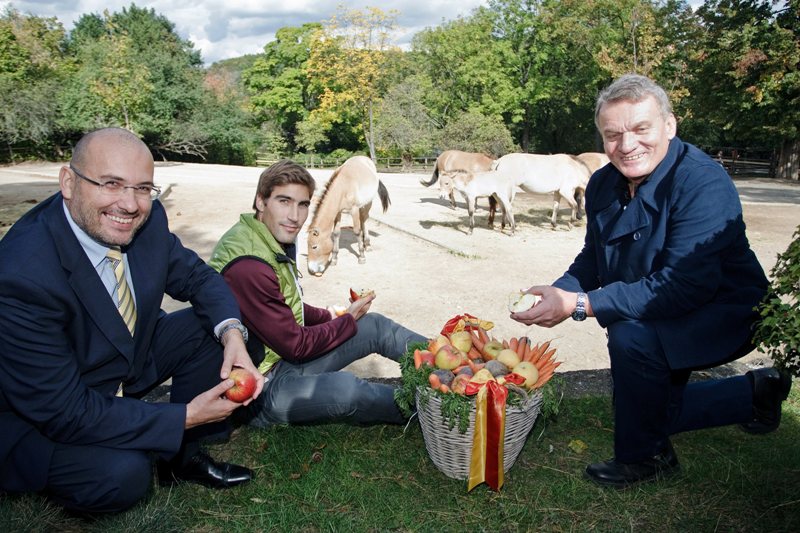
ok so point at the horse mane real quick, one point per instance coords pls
(324, 194)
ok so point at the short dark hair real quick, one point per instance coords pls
(283, 172)
(635, 88)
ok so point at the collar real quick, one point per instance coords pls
(95, 251)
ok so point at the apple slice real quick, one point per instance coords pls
(519, 301)
(356, 293)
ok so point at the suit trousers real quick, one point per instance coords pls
(316, 392)
(101, 479)
(653, 401)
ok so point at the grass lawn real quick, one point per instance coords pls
(342, 478)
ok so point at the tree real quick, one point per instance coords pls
(404, 124)
(476, 132)
(348, 62)
(746, 84)
(32, 65)
(280, 90)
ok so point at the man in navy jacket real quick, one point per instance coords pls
(667, 269)
(72, 372)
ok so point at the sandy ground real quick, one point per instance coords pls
(423, 265)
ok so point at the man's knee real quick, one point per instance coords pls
(107, 486)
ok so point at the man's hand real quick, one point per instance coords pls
(555, 306)
(210, 406)
(359, 308)
(235, 354)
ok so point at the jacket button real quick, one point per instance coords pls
(637, 236)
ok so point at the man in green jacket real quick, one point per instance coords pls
(301, 348)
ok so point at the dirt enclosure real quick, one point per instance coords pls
(423, 265)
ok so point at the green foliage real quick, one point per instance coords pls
(404, 125)
(475, 132)
(779, 330)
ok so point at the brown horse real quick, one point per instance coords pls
(456, 160)
(593, 160)
(352, 187)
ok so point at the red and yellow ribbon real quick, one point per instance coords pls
(486, 464)
(465, 322)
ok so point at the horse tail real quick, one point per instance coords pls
(383, 194)
(433, 178)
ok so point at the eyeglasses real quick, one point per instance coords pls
(115, 188)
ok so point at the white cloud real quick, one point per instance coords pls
(223, 29)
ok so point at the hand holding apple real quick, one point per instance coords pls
(244, 385)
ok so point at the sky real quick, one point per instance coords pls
(222, 29)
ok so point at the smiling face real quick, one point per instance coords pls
(110, 219)
(636, 135)
(285, 211)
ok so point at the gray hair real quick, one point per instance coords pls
(634, 88)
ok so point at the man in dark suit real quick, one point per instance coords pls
(667, 269)
(83, 339)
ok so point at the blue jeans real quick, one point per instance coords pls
(317, 392)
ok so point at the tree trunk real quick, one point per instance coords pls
(789, 160)
(370, 140)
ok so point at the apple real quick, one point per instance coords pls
(339, 310)
(427, 358)
(244, 385)
(492, 348)
(448, 358)
(508, 357)
(356, 294)
(459, 385)
(528, 371)
(462, 340)
(519, 301)
(435, 344)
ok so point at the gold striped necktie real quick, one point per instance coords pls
(125, 304)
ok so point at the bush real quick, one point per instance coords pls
(778, 333)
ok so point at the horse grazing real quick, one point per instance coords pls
(474, 185)
(352, 187)
(559, 174)
(455, 160)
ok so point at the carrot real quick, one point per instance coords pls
(483, 335)
(435, 382)
(457, 369)
(505, 343)
(543, 378)
(444, 388)
(417, 359)
(477, 342)
(513, 343)
(522, 349)
(545, 358)
(540, 349)
(474, 353)
(550, 365)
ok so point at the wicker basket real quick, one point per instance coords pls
(451, 451)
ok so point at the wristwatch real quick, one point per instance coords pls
(232, 325)
(580, 308)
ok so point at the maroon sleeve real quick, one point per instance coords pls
(315, 315)
(266, 315)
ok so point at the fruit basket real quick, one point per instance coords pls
(451, 450)
(477, 397)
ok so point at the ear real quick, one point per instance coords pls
(671, 126)
(260, 202)
(66, 182)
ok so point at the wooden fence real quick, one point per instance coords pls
(384, 164)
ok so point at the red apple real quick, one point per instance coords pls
(356, 293)
(448, 358)
(244, 385)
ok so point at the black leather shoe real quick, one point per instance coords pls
(770, 388)
(204, 470)
(612, 473)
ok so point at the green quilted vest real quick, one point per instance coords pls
(251, 238)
